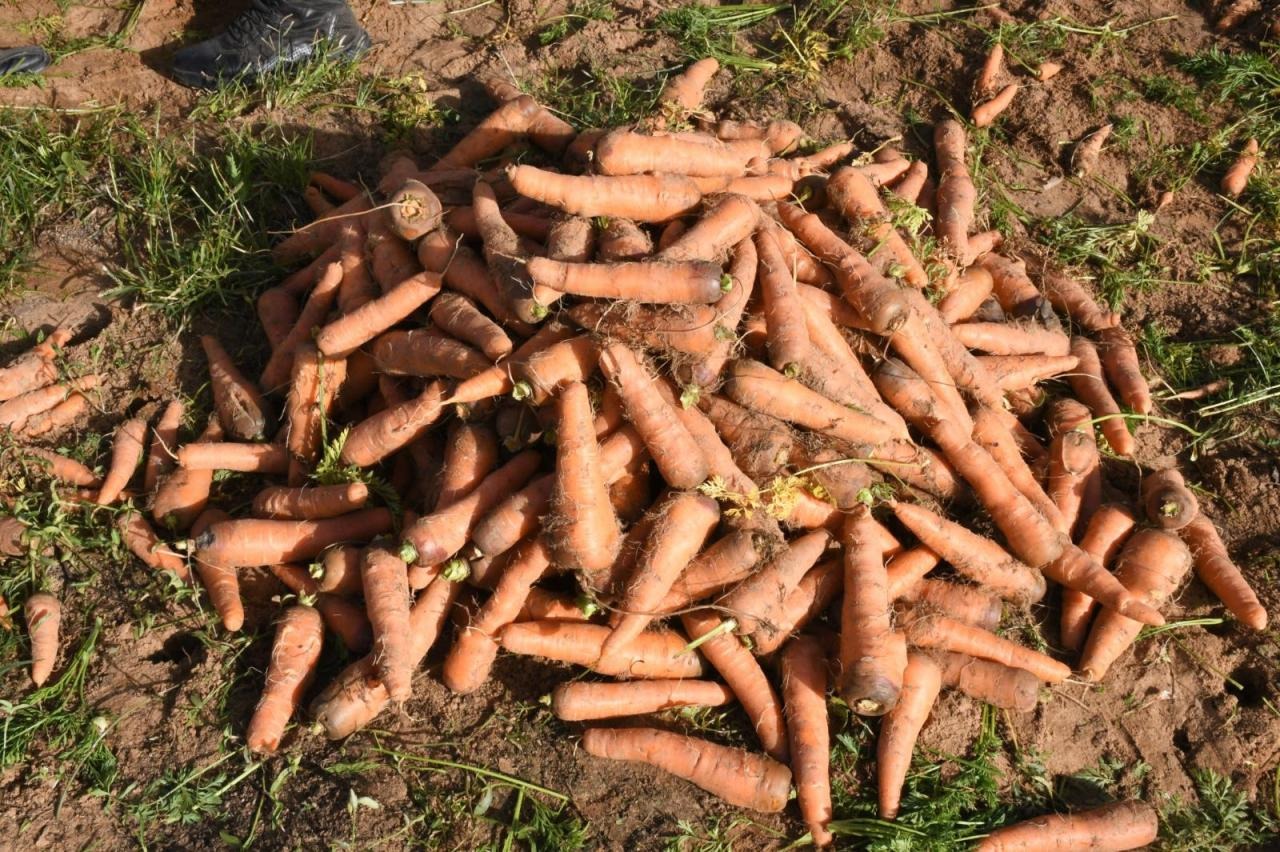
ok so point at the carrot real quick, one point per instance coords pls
(294, 654)
(852, 193)
(739, 777)
(622, 239)
(787, 336)
(956, 194)
(1018, 372)
(464, 221)
(546, 605)
(313, 314)
(1216, 570)
(985, 113)
(164, 440)
(358, 286)
(245, 458)
(61, 467)
(948, 634)
(497, 131)
(882, 172)
(343, 618)
(1116, 826)
(142, 541)
(221, 584)
(244, 543)
(655, 654)
(1106, 531)
(992, 66)
(690, 329)
(1120, 361)
(312, 389)
(126, 452)
(12, 536)
(579, 701)
(426, 353)
(623, 152)
(729, 310)
(321, 501)
(505, 254)
(1084, 158)
(434, 538)
(653, 282)
(353, 329)
(905, 570)
(392, 260)
(548, 131)
(990, 682)
(804, 689)
(589, 537)
(340, 570)
(43, 613)
(910, 184)
(680, 527)
(921, 682)
(724, 224)
(337, 187)
(497, 380)
(183, 493)
(644, 198)
(459, 317)
(60, 415)
(872, 656)
(1237, 177)
(812, 597)
(1016, 293)
(757, 599)
(466, 273)
(1073, 477)
(763, 446)
(1069, 296)
(539, 376)
(963, 603)
(683, 93)
(277, 313)
(992, 434)
(18, 413)
(413, 210)
(33, 370)
(1152, 564)
(471, 453)
(727, 561)
(1088, 385)
(389, 430)
(387, 598)
(1008, 339)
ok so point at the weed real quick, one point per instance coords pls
(185, 796)
(580, 13)
(596, 98)
(1220, 820)
(1250, 81)
(713, 31)
(47, 29)
(718, 835)
(1125, 255)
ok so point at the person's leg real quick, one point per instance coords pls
(269, 34)
(23, 60)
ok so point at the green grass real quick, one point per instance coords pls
(595, 97)
(1222, 819)
(1122, 258)
(581, 13)
(1247, 81)
(47, 31)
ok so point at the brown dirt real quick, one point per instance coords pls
(1169, 704)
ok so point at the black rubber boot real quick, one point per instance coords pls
(269, 34)
(23, 60)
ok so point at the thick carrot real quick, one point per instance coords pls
(35, 368)
(497, 380)
(1216, 570)
(392, 260)
(387, 598)
(1069, 296)
(726, 223)
(680, 526)
(13, 538)
(754, 601)
(1016, 372)
(739, 777)
(1152, 564)
(313, 314)
(221, 584)
(245, 458)
(61, 467)
(458, 316)
(249, 542)
(393, 428)
(311, 503)
(729, 560)
(654, 654)
(436, 537)
(956, 194)
(126, 452)
(470, 454)
(963, 603)
(644, 198)
(63, 414)
(426, 353)
(921, 682)
(683, 92)
(1114, 827)
(579, 701)
(622, 239)
(872, 656)
(689, 329)
(43, 613)
(340, 570)
(787, 338)
(804, 691)
(1010, 339)
(497, 131)
(183, 493)
(294, 654)
(623, 152)
(543, 605)
(852, 193)
(1237, 176)
(1090, 388)
(812, 597)
(588, 536)
(1014, 290)
(1120, 361)
(652, 282)
(1106, 531)
(948, 634)
(354, 328)
(905, 570)
(142, 541)
(540, 375)
(991, 682)
(548, 131)
(413, 210)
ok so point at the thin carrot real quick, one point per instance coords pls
(725, 224)
(43, 613)
(1014, 290)
(142, 541)
(355, 328)
(905, 570)
(313, 314)
(955, 194)
(387, 599)
(126, 452)
(963, 603)
(683, 92)
(1069, 296)
(1216, 570)
(921, 682)
(340, 189)
(20, 412)
(63, 414)
(183, 493)
(249, 542)
(321, 501)
(1120, 361)
(644, 198)
(991, 432)
(948, 634)
(245, 458)
(498, 130)
(164, 441)
(991, 682)
(579, 701)
(294, 654)
(854, 195)
(1017, 372)
(1010, 339)
(221, 584)
(804, 690)
(1116, 826)
(589, 537)
(653, 282)
(548, 131)
(1105, 533)
(872, 656)
(358, 286)
(1090, 388)
(729, 310)
(787, 336)
(654, 654)
(985, 113)
(757, 599)
(1237, 176)
(61, 467)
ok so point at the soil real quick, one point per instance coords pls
(1189, 699)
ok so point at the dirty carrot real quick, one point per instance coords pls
(872, 656)
(804, 691)
(126, 452)
(655, 654)
(43, 613)
(921, 683)
(1237, 177)
(948, 634)
(310, 503)
(164, 442)
(644, 198)
(578, 701)
(244, 458)
(1216, 570)
(250, 542)
(1117, 826)
(294, 654)
(1105, 533)
(991, 682)
(589, 537)
(222, 585)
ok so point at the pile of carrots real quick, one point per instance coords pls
(689, 410)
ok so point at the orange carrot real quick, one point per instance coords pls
(183, 493)
(725, 224)
(543, 605)
(61, 467)
(1216, 570)
(1014, 290)
(126, 452)
(427, 353)
(1237, 177)
(852, 193)
(19, 413)
(985, 85)
(941, 632)
(34, 369)
(248, 542)
(343, 618)
(321, 501)
(905, 570)
(1105, 532)
(682, 93)
(804, 689)
(1009, 339)
(392, 261)
(984, 114)
(910, 185)
(387, 598)
(1117, 826)
(812, 597)
(277, 313)
(43, 613)
(787, 337)
(60, 415)
(681, 525)
(1088, 385)
(653, 282)
(337, 187)
(539, 376)
(992, 434)
(956, 194)
(756, 600)
(1073, 479)
(963, 603)
(142, 541)
(589, 538)
(320, 234)
(990, 682)
(1069, 296)
(221, 584)
(729, 309)
(497, 131)
(358, 286)
(623, 152)
(549, 132)
(355, 328)
(464, 272)
(644, 198)
(245, 458)
(654, 654)
(739, 777)
(872, 656)
(497, 380)
(1120, 361)
(393, 428)
(471, 453)
(294, 655)
(164, 441)
(1152, 564)
(921, 682)
(340, 570)
(463, 220)
(1017, 372)
(579, 701)
(622, 239)
(458, 316)
(313, 314)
